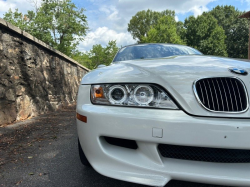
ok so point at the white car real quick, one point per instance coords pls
(161, 112)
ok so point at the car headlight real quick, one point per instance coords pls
(142, 95)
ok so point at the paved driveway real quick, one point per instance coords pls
(43, 152)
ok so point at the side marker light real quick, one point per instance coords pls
(81, 118)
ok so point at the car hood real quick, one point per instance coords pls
(176, 74)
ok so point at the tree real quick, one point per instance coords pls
(67, 24)
(142, 21)
(236, 30)
(83, 59)
(23, 21)
(57, 22)
(103, 55)
(204, 34)
(181, 31)
(164, 31)
(110, 51)
(97, 55)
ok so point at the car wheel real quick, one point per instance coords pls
(83, 158)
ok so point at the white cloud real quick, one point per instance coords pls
(103, 35)
(114, 16)
(104, 9)
(22, 5)
(4, 5)
(198, 10)
(176, 18)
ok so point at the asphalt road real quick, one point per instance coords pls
(43, 152)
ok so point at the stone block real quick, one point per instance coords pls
(10, 95)
(24, 107)
(7, 112)
(20, 90)
(2, 92)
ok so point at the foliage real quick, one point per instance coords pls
(164, 31)
(236, 30)
(97, 55)
(181, 31)
(103, 55)
(65, 21)
(110, 51)
(204, 34)
(24, 22)
(83, 59)
(142, 22)
(57, 22)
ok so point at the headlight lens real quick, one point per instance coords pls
(117, 94)
(144, 95)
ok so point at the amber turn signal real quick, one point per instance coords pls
(98, 91)
(81, 118)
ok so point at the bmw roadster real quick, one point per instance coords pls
(161, 112)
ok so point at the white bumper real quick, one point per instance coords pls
(145, 165)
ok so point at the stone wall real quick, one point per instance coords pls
(34, 78)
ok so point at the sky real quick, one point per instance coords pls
(108, 19)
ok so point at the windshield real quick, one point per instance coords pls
(146, 51)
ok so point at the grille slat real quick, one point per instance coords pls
(216, 95)
(239, 95)
(202, 93)
(205, 154)
(236, 103)
(211, 94)
(225, 94)
(222, 94)
(206, 94)
(229, 91)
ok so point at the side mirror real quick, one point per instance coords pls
(101, 66)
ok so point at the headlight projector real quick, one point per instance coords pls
(143, 94)
(117, 94)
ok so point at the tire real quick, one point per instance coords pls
(83, 158)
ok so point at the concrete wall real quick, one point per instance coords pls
(34, 78)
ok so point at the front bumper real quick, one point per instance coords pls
(145, 165)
